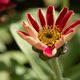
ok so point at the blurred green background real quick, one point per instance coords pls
(17, 61)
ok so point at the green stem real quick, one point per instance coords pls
(56, 67)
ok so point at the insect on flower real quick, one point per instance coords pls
(53, 34)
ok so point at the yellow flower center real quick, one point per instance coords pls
(49, 36)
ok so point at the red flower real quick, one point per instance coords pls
(4, 1)
(52, 34)
(5, 4)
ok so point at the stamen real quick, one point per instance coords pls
(49, 36)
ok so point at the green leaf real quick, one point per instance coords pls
(73, 53)
(5, 36)
(67, 79)
(74, 72)
(4, 75)
(2, 47)
(16, 55)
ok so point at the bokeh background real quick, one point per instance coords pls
(16, 59)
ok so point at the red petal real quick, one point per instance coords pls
(61, 16)
(49, 16)
(72, 26)
(47, 51)
(22, 34)
(4, 1)
(65, 19)
(41, 18)
(33, 22)
(70, 31)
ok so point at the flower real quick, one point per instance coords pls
(5, 4)
(52, 35)
(4, 1)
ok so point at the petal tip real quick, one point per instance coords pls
(50, 6)
(22, 34)
(25, 24)
(19, 32)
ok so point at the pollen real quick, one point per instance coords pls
(49, 36)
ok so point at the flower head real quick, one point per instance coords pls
(52, 35)
(5, 4)
(4, 1)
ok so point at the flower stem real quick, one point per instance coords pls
(58, 71)
(56, 67)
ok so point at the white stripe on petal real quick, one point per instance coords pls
(40, 45)
(68, 37)
(30, 30)
(28, 38)
(64, 39)
(31, 40)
